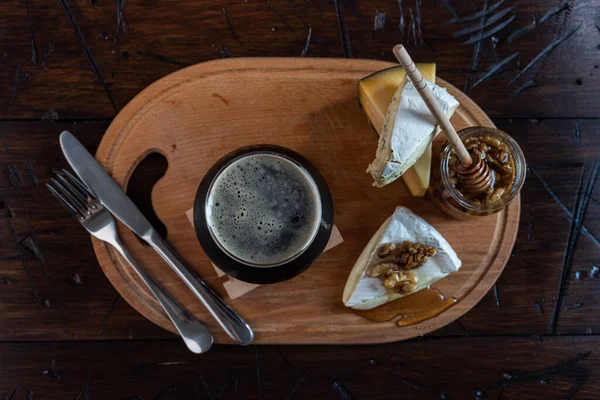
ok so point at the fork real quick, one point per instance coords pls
(80, 201)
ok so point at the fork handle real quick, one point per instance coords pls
(195, 334)
(231, 322)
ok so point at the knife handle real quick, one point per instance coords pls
(194, 333)
(231, 322)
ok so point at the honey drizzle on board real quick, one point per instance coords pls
(412, 309)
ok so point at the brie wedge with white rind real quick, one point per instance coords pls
(363, 292)
(408, 129)
(375, 93)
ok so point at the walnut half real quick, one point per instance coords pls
(383, 269)
(402, 282)
(386, 250)
(411, 255)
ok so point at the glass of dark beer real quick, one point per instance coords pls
(263, 214)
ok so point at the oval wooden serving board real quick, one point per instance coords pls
(198, 114)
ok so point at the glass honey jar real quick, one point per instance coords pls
(503, 156)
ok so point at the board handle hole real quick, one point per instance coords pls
(141, 183)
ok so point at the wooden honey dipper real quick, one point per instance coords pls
(476, 176)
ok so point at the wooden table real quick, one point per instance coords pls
(73, 64)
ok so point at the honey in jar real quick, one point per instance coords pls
(503, 157)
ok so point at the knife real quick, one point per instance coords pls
(112, 197)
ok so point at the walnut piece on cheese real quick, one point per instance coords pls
(408, 129)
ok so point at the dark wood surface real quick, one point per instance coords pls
(62, 324)
(496, 367)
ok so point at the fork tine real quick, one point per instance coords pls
(81, 185)
(74, 191)
(64, 202)
(77, 204)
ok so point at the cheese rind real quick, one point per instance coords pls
(364, 292)
(408, 129)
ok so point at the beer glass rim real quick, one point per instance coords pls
(261, 275)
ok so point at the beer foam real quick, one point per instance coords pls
(263, 209)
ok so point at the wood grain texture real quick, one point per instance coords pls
(548, 198)
(170, 37)
(506, 368)
(51, 285)
(48, 74)
(323, 121)
(530, 277)
(84, 70)
(570, 72)
(45, 74)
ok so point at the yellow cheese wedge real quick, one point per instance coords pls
(375, 94)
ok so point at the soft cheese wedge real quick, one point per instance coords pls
(408, 129)
(375, 94)
(364, 292)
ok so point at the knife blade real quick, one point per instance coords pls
(108, 191)
(120, 205)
